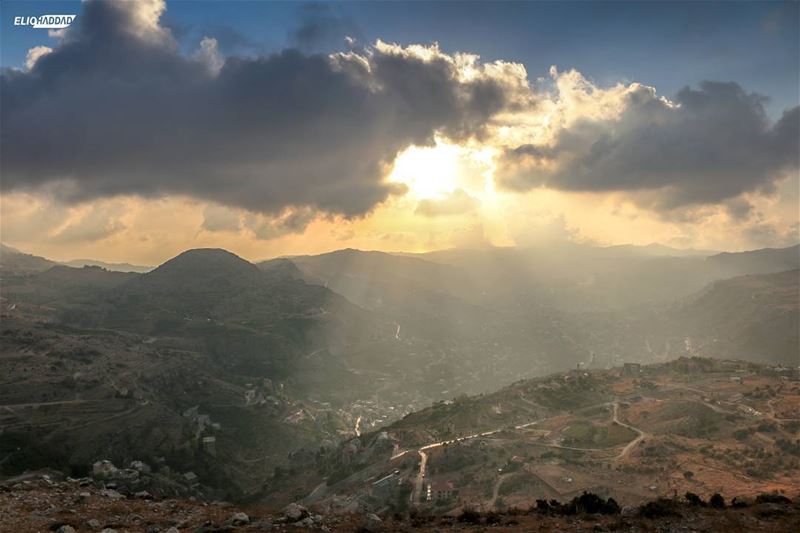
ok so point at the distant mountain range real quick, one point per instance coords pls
(14, 261)
(114, 267)
(300, 351)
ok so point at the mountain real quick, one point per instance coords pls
(14, 262)
(130, 365)
(260, 322)
(448, 335)
(575, 277)
(761, 261)
(754, 317)
(656, 250)
(375, 279)
(114, 267)
(204, 270)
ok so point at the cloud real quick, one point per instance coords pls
(221, 218)
(34, 54)
(117, 109)
(739, 209)
(94, 223)
(765, 234)
(323, 28)
(456, 203)
(265, 228)
(209, 54)
(710, 144)
(540, 228)
(231, 40)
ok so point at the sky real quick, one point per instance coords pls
(280, 128)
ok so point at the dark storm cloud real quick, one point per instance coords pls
(709, 145)
(117, 109)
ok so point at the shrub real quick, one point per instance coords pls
(694, 499)
(717, 501)
(741, 434)
(739, 503)
(659, 508)
(469, 516)
(772, 497)
(588, 503)
(492, 518)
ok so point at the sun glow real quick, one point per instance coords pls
(428, 172)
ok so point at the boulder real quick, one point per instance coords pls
(372, 523)
(103, 469)
(238, 519)
(305, 522)
(140, 467)
(294, 512)
(111, 493)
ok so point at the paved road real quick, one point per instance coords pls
(416, 494)
(419, 481)
(418, 484)
(40, 404)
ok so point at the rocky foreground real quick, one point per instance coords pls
(41, 503)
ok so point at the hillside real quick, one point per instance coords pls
(207, 345)
(693, 425)
(761, 261)
(13, 262)
(754, 317)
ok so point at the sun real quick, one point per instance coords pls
(429, 172)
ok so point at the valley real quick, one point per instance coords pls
(314, 378)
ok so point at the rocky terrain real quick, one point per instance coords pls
(41, 502)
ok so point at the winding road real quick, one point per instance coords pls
(632, 444)
(417, 491)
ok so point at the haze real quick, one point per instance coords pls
(378, 266)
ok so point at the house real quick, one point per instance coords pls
(632, 369)
(441, 491)
(209, 445)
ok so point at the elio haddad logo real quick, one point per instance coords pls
(45, 22)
